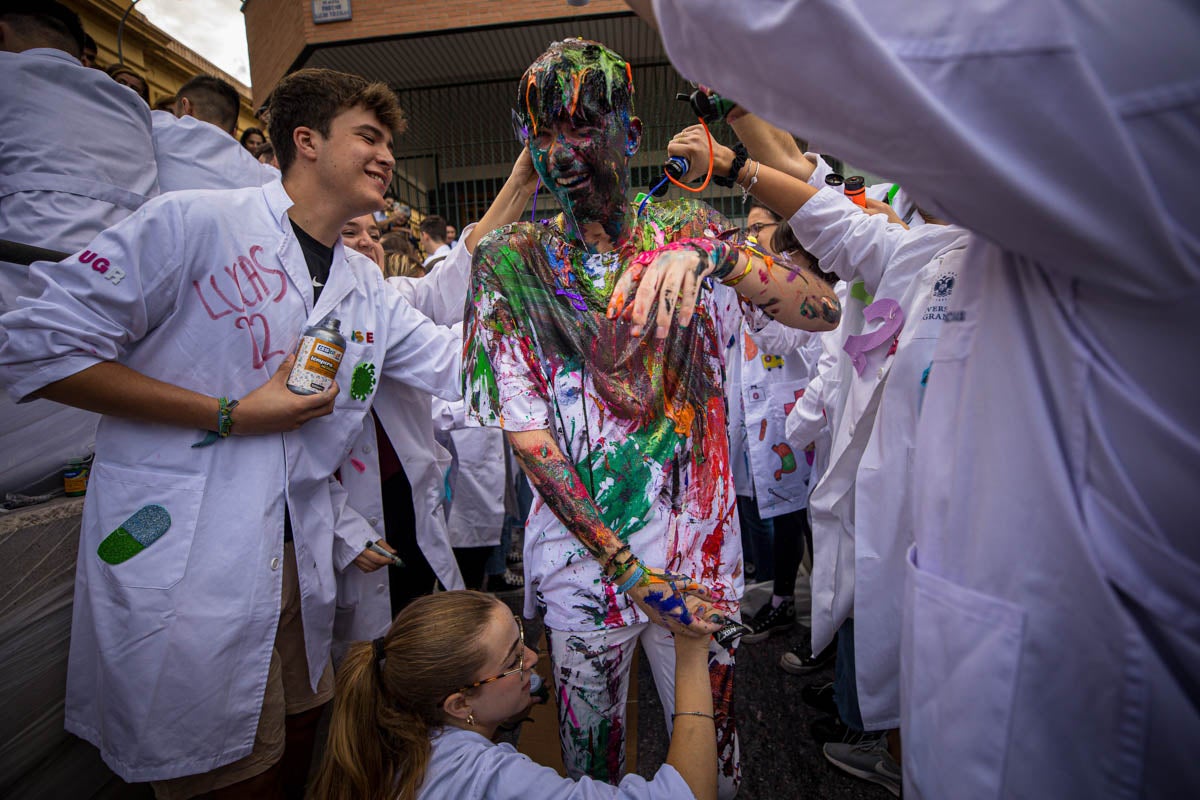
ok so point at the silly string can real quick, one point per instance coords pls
(318, 357)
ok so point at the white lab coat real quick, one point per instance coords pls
(193, 154)
(464, 764)
(886, 258)
(364, 599)
(170, 649)
(883, 492)
(477, 480)
(1052, 638)
(75, 157)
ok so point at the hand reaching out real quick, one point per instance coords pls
(676, 602)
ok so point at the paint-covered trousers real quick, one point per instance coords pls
(591, 681)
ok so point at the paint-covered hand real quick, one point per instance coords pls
(273, 408)
(669, 278)
(676, 602)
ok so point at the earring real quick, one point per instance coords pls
(470, 719)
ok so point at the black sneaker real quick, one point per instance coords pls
(800, 660)
(507, 582)
(768, 620)
(820, 697)
(832, 729)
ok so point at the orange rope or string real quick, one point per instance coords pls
(528, 107)
(707, 177)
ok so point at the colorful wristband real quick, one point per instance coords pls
(225, 408)
(638, 573)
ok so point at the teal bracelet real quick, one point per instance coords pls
(225, 408)
(636, 575)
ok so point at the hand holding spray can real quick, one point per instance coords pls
(318, 357)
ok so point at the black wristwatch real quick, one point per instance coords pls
(739, 160)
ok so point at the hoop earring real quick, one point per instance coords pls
(471, 719)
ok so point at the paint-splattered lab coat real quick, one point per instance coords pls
(642, 419)
(208, 291)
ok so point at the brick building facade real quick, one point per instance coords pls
(454, 66)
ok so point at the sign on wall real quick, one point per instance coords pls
(330, 11)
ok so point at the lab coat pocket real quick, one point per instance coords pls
(146, 522)
(961, 649)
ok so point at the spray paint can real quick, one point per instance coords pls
(318, 357)
(856, 190)
(836, 182)
(75, 477)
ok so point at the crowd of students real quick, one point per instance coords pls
(954, 392)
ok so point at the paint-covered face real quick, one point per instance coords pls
(584, 160)
(575, 113)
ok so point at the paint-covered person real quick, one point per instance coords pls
(205, 587)
(620, 430)
(418, 707)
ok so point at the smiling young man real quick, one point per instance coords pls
(205, 586)
(621, 432)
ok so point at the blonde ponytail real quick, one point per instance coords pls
(385, 708)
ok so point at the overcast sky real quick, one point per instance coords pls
(213, 28)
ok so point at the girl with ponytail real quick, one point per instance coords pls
(415, 712)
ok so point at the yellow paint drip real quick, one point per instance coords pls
(683, 416)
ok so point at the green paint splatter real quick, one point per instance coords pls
(363, 382)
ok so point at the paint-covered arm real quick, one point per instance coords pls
(674, 601)
(557, 481)
(670, 278)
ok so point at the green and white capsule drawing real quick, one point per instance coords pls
(143, 528)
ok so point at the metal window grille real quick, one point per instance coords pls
(460, 145)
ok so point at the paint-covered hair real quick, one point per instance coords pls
(384, 710)
(554, 83)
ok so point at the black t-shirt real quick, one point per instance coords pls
(319, 259)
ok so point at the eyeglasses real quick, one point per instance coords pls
(520, 661)
(758, 227)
